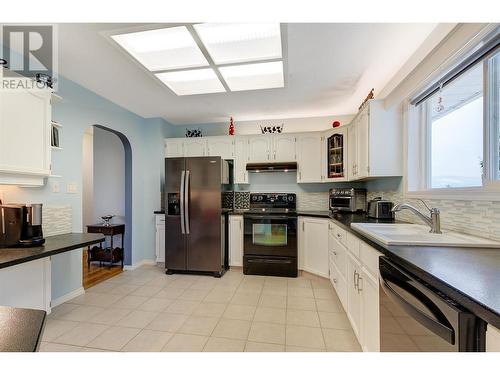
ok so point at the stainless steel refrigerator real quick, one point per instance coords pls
(195, 226)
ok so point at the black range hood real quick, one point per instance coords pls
(272, 167)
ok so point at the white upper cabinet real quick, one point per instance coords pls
(222, 146)
(284, 148)
(309, 156)
(240, 160)
(334, 157)
(196, 146)
(25, 136)
(259, 149)
(174, 147)
(375, 142)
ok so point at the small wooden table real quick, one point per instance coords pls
(110, 254)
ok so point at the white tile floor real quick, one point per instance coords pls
(146, 310)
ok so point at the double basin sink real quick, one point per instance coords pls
(418, 235)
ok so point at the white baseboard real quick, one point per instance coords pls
(67, 297)
(144, 262)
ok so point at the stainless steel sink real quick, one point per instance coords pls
(418, 235)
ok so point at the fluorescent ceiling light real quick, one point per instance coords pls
(163, 49)
(191, 82)
(253, 76)
(240, 42)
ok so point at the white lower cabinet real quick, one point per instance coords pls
(370, 323)
(27, 285)
(236, 240)
(160, 238)
(492, 339)
(353, 294)
(354, 275)
(313, 240)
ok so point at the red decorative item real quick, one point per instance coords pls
(336, 124)
(231, 127)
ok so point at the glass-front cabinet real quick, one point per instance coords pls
(335, 155)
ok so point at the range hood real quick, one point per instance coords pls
(271, 167)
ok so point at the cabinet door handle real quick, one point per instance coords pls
(335, 281)
(360, 289)
(274, 154)
(303, 226)
(355, 279)
(335, 253)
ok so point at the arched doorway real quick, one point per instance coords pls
(107, 190)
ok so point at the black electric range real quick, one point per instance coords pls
(270, 235)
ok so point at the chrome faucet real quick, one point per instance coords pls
(433, 220)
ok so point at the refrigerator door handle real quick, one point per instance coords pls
(186, 204)
(183, 179)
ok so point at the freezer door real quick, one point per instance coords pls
(175, 237)
(203, 214)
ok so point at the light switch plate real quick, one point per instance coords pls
(55, 187)
(72, 188)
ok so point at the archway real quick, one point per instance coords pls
(107, 189)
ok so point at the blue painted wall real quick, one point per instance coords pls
(80, 109)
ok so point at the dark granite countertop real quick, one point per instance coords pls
(159, 212)
(11, 256)
(314, 213)
(20, 329)
(470, 276)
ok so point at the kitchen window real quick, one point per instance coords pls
(453, 142)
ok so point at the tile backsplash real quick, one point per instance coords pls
(312, 201)
(56, 220)
(477, 218)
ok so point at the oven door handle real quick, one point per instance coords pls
(272, 217)
(446, 333)
(272, 261)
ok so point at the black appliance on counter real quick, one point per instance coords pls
(270, 235)
(21, 225)
(347, 200)
(414, 317)
(380, 209)
(32, 234)
(11, 224)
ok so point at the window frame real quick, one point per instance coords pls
(417, 147)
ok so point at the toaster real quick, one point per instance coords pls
(380, 209)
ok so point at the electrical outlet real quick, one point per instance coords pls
(72, 188)
(55, 187)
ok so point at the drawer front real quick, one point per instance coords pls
(353, 244)
(103, 230)
(338, 233)
(339, 256)
(339, 284)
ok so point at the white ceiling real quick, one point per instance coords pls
(330, 68)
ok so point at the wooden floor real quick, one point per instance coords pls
(95, 274)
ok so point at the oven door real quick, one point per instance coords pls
(270, 235)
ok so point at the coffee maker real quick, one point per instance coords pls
(31, 233)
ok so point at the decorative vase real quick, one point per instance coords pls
(231, 126)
